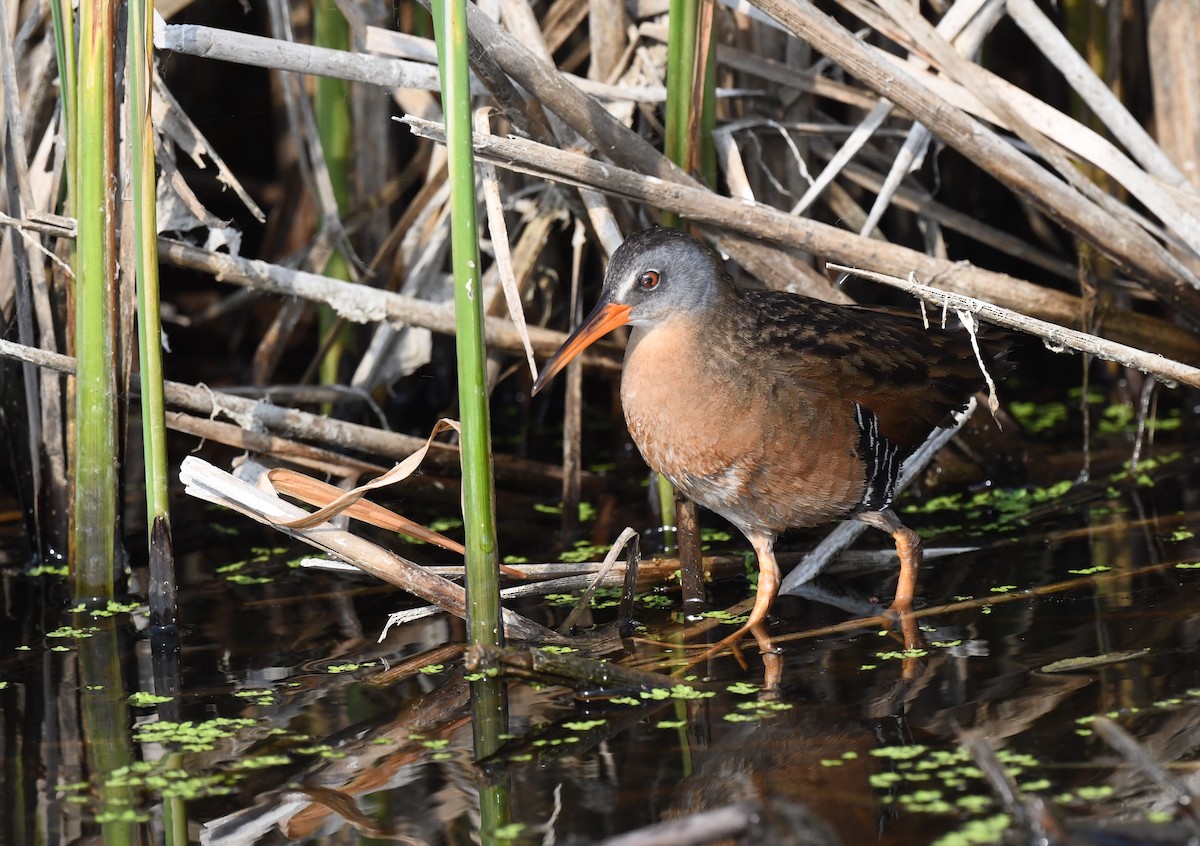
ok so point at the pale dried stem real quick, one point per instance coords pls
(1099, 97)
(263, 417)
(206, 482)
(30, 295)
(359, 303)
(1057, 338)
(1128, 245)
(498, 230)
(703, 206)
(311, 153)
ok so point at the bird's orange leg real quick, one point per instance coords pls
(908, 548)
(768, 587)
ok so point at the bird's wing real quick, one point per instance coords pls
(884, 360)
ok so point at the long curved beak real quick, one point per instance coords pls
(604, 318)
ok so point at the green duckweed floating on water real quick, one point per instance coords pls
(901, 654)
(587, 511)
(260, 762)
(560, 599)
(241, 579)
(73, 631)
(192, 736)
(121, 815)
(584, 725)
(1038, 417)
(110, 609)
(144, 699)
(973, 803)
(683, 691)
(725, 617)
(988, 830)
(445, 524)
(882, 781)
(175, 783)
(750, 712)
(49, 570)
(584, 551)
(509, 832)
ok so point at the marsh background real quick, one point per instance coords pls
(1061, 582)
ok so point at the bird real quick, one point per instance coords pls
(771, 409)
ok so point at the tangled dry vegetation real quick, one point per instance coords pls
(866, 134)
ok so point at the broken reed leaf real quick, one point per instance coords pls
(323, 495)
(1086, 662)
(401, 471)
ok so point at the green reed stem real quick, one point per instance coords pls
(665, 492)
(682, 47)
(495, 799)
(139, 69)
(478, 492)
(62, 12)
(689, 135)
(682, 23)
(104, 708)
(95, 307)
(154, 430)
(335, 128)
(683, 50)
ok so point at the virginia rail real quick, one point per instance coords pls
(774, 410)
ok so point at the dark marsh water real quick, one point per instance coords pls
(1072, 600)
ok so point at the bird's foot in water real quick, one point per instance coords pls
(902, 624)
(772, 659)
(899, 617)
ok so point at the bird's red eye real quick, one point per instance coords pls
(649, 280)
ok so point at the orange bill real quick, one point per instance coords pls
(604, 318)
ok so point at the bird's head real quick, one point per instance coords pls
(655, 274)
